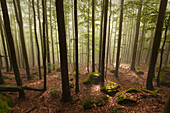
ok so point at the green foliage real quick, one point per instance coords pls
(88, 104)
(110, 88)
(7, 77)
(117, 109)
(71, 85)
(92, 78)
(105, 97)
(55, 93)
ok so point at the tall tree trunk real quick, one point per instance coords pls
(44, 42)
(156, 44)
(31, 39)
(162, 51)
(101, 31)
(4, 45)
(119, 39)
(1, 76)
(104, 40)
(66, 95)
(93, 36)
(76, 44)
(88, 49)
(20, 23)
(11, 46)
(52, 36)
(36, 39)
(136, 39)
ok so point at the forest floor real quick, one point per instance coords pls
(43, 102)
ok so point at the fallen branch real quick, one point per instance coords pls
(17, 88)
(28, 111)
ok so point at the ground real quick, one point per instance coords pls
(43, 102)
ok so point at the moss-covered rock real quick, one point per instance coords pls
(88, 104)
(71, 85)
(5, 103)
(112, 70)
(99, 102)
(105, 97)
(152, 93)
(110, 88)
(117, 109)
(125, 97)
(55, 93)
(158, 90)
(139, 72)
(92, 78)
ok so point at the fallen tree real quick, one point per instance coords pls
(17, 88)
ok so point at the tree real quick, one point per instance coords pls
(119, 39)
(88, 40)
(136, 39)
(21, 29)
(156, 44)
(66, 95)
(11, 46)
(36, 39)
(93, 36)
(104, 40)
(76, 45)
(44, 42)
(1, 76)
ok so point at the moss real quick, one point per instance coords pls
(4, 67)
(71, 85)
(5, 103)
(112, 70)
(131, 90)
(153, 94)
(158, 90)
(105, 97)
(139, 72)
(92, 78)
(117, 109)
(110, 88)
(99, 102)
(143, 96)
(88, 104)
(54, 93)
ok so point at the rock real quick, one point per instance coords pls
(92, 78)
(152, 93)
(88, 104)
(110, 88)
(105, 97)
(139, 72)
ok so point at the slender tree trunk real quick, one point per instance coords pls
(4, 45)
(44, 42)
(36, 39)
(136, 39)
(101, 29)
(1, 76)
(20, 23)
(66, 95)
(93, 36)
(88, 40)
(104, 40)
(156, 44)
(76, 44)
(119, 39)
(11, 46)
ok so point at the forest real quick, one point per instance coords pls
(84, 56)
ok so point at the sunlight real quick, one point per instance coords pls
(95, 88)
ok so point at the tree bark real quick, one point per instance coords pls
(93, 36)
(156, 44)
(66, 95)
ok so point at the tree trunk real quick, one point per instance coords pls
(156, 44)
(93, 36)
(76, 44)
(104, 40)
(36, 39)
(136, 39)
(119, 39)
(20, 23)
(11, 46)
(4, 45)
(66, 95)
(88, 49)
(1, 76)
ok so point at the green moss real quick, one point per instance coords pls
(158, 90)
(71, 85)
(112, 70)
(110, 88)
(105, 97)
(99, 102)
(88, 104)
(131, 90)
(92, 78)
(117, 109)
(139, 72)
(5, 103)
(153, 94)
(54, 93)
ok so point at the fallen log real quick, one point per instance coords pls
(17, 88)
